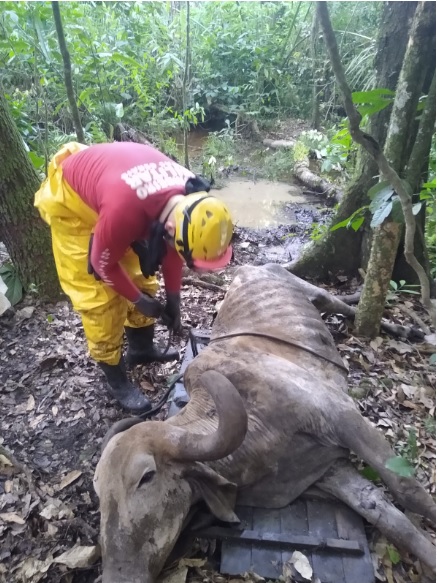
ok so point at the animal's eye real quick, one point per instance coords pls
(147, 477)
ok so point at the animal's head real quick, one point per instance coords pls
(150, 475)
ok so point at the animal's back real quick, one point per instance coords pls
(267, 301)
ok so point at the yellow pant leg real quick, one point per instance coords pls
(148, 285)
(102, 310)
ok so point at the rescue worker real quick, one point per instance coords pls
(118, 212)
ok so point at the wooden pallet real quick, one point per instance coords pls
(327, 532)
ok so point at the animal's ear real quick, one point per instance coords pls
(218, 493)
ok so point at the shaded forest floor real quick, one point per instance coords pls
(55, 411)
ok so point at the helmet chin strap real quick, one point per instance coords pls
(187, 252)
(172, 208)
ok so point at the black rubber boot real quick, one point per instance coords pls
(141, 348)
(128, 395)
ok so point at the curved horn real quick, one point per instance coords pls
(232, 425)
(119, 427)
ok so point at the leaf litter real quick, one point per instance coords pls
(55, 412)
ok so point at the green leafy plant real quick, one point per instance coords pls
(401, 288)
(354, 221)
(401, 466)
(385, 202)
(317, 231)
(12, 281)
(370, 102)
(300, 151)
(429, 422)
(393, 554)
(334, 152)
(278, 164)
(220, 145)
(427, 198)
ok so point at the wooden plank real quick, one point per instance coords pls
(236, 557)
(350, 525)
(265, 560)
(322, 523)
(293, 520)
(277, 541)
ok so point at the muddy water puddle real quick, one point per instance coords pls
(261, 204)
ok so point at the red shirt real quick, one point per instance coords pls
(128, 185)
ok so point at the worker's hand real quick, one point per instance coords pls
(172, 312)
(90, 268)
(148, 306)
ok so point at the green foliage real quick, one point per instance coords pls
(401, 466)
(354, 221)
(334, 152)
(370, 102)
(427, 197)
(369, 473)
(317, 231)
(393, 554)
(396, 289)
(220, 146)
(127, 63)
(385, 202)
(279, 163)
(300, 151)
(12, 281)
(430, 423)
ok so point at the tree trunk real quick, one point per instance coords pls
(372, 302)
(67, 73)
(315, 116)
(26, 237)
(384, 250)
(344, 250)
(415, 174)
(185, 88)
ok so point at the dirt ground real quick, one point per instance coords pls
(55, 412)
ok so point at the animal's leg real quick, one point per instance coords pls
(357, 434)
(346, 484)
(326, 302)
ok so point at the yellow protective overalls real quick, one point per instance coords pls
(103, 311)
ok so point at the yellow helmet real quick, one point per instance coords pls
(203, 231)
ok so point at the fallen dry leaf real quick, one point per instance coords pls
(36, 421)
(4, 461)
(33, 570)
(79, 557)
(30, 405)
(69, 479)
(56, 509)
(302, 565)
(12, 517)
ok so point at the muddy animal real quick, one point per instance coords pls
(269, 417)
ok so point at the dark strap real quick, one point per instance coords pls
(187, 252)
(284, 340)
